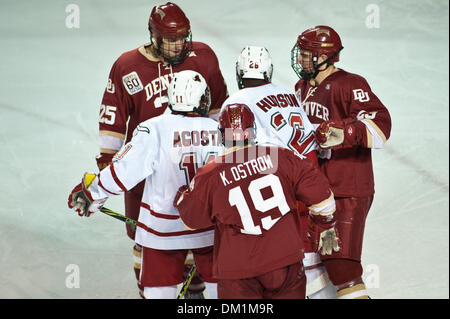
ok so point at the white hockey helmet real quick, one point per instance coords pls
(254, 63)
(188, 92)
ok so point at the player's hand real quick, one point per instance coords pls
(322, 234)
(80, 199)
(336, 134)
(104, 160)
(180, 192)
(328, 242)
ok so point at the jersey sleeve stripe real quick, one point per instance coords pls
(112, 133)
(116, 179)
(177, 233)
(375, 136)
(325, 207)
(103, 187)
(108, 151)
(159, 215)
(110, 142)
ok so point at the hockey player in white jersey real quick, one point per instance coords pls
(281, 121)
(279, 117)
(165, 151)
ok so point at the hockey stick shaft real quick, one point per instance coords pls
(133, 222)
(187, 282)
(118, 216)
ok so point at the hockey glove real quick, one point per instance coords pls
(180, 192)
(336, 134)
(322, 234)
(80, 199)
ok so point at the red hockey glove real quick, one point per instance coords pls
(80, 199)
(336, 134)
(104, 160)
(322, 234)
(180, 192)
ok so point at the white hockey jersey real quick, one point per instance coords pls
(166, 151)
(279, 117)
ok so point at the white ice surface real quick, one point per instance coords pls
(51, 84)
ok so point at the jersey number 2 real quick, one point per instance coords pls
(298, 142)
(236, 198)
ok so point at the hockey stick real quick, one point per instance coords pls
(133, 222)
(187, 282)
(114, 214)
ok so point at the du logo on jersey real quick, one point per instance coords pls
(360, 95)
(110, 88)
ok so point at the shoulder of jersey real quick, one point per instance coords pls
(200, 46)
(349, 77)
(169, 117)
(129, 55)
(211, 121)
(240, 93)
(240, 96)
(280, 88)
(300, 82)
(129, 59)
(201, 49)
(154, 121)
(286, 153)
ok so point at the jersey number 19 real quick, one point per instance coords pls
(237, 198)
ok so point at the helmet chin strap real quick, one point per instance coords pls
(312, 75)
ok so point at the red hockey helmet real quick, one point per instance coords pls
(237, 124)
(169, 21)
(321, 40)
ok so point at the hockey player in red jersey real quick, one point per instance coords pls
(350, 121)
(137, 89)
(249, 194)
(281, 121)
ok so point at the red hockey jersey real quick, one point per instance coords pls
(343, 95)
(137, 89)
(250, 196)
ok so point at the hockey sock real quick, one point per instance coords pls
(211, 290)
(169, 292)
(354, 289)
(137, 257)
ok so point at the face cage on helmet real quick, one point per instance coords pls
(298, 69)
(242, 142)
(174, 60)
(205, 103)
(294, 60)
(239, 77)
